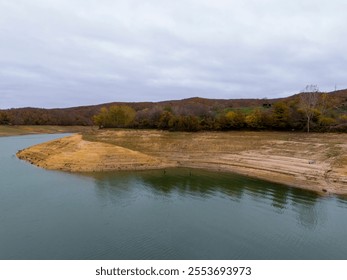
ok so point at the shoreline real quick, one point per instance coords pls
(18, 130)
(275, 160)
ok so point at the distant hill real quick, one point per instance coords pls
(82, 115)
(195, 106)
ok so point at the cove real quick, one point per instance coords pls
(171, 214)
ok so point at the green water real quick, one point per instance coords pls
(177, 214)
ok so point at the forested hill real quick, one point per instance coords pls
(83, 115)
(328, 112)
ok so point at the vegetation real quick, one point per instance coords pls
(308, 103)
(308, 111)
(4, 119)
(115, 116)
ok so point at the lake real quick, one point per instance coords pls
(171, 214)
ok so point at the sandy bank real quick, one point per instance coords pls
(77, 155)
(317, 162)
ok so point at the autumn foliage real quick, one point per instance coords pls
(325, 112)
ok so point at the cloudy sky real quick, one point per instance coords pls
(60, 53)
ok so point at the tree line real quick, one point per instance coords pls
(310, 110)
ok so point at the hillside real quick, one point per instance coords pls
(208, 114)
(82, 115)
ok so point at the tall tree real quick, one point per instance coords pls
(308, 102)
(115, 116)
(254, 120)
(280, 115)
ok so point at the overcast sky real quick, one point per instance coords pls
(61, 53)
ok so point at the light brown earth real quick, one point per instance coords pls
(13, 130)
(77, 155)
(312, 161)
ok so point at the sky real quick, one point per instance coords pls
(64, 53)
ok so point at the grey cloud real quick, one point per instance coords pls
(67, 53)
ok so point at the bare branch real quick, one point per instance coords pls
(309, 102)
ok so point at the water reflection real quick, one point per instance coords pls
(304, 204)
(280, 198)
(174, 181)
(177, 214)
(202, 184)
(342, 201)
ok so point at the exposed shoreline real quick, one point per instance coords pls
(17, 130)
(299, 162)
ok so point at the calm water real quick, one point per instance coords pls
(182, 214)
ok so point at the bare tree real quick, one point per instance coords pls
(309, 102)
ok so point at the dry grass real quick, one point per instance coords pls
(311, 146)
(155, 142)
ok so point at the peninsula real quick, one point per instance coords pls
(312, 161)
